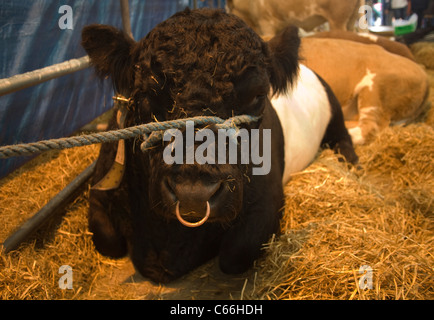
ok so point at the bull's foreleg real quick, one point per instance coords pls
(107, 236)
(242, 244)
(107, 209)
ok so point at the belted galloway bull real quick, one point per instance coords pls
(171, 216)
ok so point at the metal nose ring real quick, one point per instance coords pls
(193, 224)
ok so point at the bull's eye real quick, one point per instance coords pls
(252, 104)
(258, 99)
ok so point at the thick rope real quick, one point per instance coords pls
(116, 135)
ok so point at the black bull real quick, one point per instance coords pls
(200, 62)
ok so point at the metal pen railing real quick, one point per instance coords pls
(32, 78)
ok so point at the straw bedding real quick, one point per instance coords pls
(424, 52)
(336, 220)
(339, 220)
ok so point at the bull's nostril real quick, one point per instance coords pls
(168, 189)
(169, 184)
(214, 197)
(211, 190)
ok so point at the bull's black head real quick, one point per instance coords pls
(200, 62)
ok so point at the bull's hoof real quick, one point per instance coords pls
(346, 149)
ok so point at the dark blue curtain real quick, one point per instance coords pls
(30, 39)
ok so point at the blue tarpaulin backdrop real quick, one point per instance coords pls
(30, 39)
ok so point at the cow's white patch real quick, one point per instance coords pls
(371, 37)
(401, 122)
(356, 135)
(367, 112)
(366, 82)
(304, 113)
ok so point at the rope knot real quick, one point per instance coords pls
(231, 124)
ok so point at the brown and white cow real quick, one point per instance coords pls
(269, 17)
(368, 38)
(375, 88)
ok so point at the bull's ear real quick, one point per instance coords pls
(284, 63)
(110, 52)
